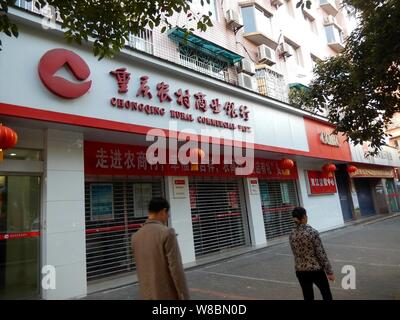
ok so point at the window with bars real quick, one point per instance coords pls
(272, 84)
(114, 211)
(202, 62)
(278, 198)
(218, 215)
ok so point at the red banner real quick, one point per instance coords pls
(19, 235)
(116, 159)
(319, 182)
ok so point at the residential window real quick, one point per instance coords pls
(314, 61)
(296, 54)
(24, 4)
(333, 34)
(311, 22)
(255, 19)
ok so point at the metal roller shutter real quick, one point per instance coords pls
(218, 214)
(108, 232)
(278, 198)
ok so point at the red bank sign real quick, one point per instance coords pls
(54, 60)
(117, 159)
(319, 182)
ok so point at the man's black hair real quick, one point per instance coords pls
(156, 204)
(299, 213)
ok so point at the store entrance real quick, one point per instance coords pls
(19, 236)
(115, 209)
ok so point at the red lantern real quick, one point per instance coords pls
(286, 164)
(329, 168)
(8, 139)
(197, 154)
(351, 169)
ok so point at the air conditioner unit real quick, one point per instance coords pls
(246, 81)
(285, 50)
(247, 66)
(233, 19)
(266, 55)
(330, 20)
(277, 3)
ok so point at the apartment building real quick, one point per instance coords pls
(75, 187)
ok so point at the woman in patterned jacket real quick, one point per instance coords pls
(311, 262)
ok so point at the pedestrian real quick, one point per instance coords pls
(157, 256)
(311, 262)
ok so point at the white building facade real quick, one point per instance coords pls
(76, 186)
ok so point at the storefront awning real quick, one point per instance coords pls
(204, 45)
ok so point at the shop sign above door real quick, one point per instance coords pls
(117, 159)
(329, 139)
(319, 183)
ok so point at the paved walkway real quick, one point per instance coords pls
(372, 248)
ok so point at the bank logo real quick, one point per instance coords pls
(54, 60)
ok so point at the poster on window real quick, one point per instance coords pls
(101, 202)
(142, 194)
(233, 200)
(193, 202)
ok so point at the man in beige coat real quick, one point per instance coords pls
(158, 259)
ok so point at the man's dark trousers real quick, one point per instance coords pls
(308, 278)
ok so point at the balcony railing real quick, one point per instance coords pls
(329, 6)
(272, 84)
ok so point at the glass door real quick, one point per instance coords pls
(19, 236)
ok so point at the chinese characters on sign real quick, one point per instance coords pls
(117, 159)
(199, 102)
(320, 183)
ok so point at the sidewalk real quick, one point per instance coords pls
(372, 246)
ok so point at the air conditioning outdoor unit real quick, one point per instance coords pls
(246, 81)
(266, 55)
(277, 3)
(285, 50)
(330, 20)
(233, 19)
(247, 66)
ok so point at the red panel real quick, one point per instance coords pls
(320, 183)
(118, 159)
(320, 150)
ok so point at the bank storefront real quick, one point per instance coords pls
(76, 186)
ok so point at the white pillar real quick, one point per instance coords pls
(254, 211)
(181, 216)
(63, 223)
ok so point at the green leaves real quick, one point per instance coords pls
(109, 22)
(302, 4)
(361, 86)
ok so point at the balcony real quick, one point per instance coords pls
(334, 37)
(259, 38)
(336, 46)
(329, 6)
(271, 83)
(258, 27)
